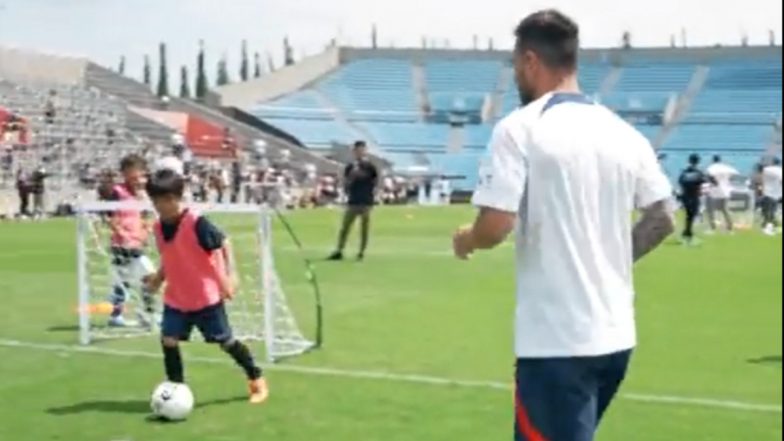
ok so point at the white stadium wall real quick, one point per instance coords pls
(32, 67)
(284, 80)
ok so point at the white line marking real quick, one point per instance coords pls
(386, 376)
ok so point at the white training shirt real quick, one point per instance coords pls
(573, 172)
(771, 181)
(723, 174)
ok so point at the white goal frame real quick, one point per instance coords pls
(279, 331)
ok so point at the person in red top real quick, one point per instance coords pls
(129, 229)
(195, 265)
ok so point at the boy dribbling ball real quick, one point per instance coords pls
(195, 266)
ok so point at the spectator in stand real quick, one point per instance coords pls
(181, 150)
(38, 190)
(228, 142)
(49, 109)
(13, 129)
(236, 181)
(23, 190)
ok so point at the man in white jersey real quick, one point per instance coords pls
(720, 178)
(569, 173)
(771, 196)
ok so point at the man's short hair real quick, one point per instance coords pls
(359, 144)
(716, 158)
(165, 182)
(694, 159)
(133, 161)
(552, 36)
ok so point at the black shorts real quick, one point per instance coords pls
(212, 322)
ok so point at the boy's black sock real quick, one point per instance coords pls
(172, 360)
(242, 356)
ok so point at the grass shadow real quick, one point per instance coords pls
(219, 401)
(128, 406)
(108, 406)
(63, 328)
(766, 360)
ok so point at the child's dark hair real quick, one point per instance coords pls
(165, 182)
(133, 161)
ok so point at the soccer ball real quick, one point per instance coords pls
(172, 401)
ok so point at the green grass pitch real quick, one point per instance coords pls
(398, 327)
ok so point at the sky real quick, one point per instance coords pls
(103, 30)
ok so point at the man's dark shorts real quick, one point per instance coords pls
(563, 399)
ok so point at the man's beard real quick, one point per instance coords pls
(525, 97)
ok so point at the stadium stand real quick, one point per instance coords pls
(726, 100)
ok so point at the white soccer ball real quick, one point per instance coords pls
(172, 401)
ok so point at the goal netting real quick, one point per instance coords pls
(109, 280)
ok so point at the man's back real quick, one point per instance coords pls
(585, 169)
(771, 181)
(721, 175)
(691, 181)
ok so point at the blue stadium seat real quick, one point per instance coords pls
(456, 76)
(457, 164)
(719, 137)
(318, 134)
(373, 85)
(394, 136)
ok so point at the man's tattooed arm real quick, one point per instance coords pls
(654, 225)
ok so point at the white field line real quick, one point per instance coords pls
(387, 376)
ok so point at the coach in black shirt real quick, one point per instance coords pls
(691, 181)
(360, 179)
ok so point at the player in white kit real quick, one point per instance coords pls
(569, 173)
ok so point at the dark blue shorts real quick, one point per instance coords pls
(212, 322)
(563, 399)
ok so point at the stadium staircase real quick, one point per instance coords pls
(505, 84)
(455, 139)
(135, 94)
(341, 119)
(610, 81)
(683, 104)
(420, 88)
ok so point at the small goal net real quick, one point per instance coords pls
(113, 303)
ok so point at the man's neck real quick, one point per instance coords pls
(566, 84)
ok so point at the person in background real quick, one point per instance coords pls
(691, 181)
(720, 190)
(771, 196)
(236, 181)
(23, 189)
(361, 178)
(38, 189)
(49, 109)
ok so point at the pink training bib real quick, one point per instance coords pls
(195, 278)
(129, 232)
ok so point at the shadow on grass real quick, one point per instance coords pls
(766, 360)
(128, 406)
(107, 406)
(63, 328)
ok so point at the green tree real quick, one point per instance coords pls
(201, 75)
(185, 89)
(147, 74)
(163, 72)
(244, 67)
(222, 75)
(256, 65)
(121, 66)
